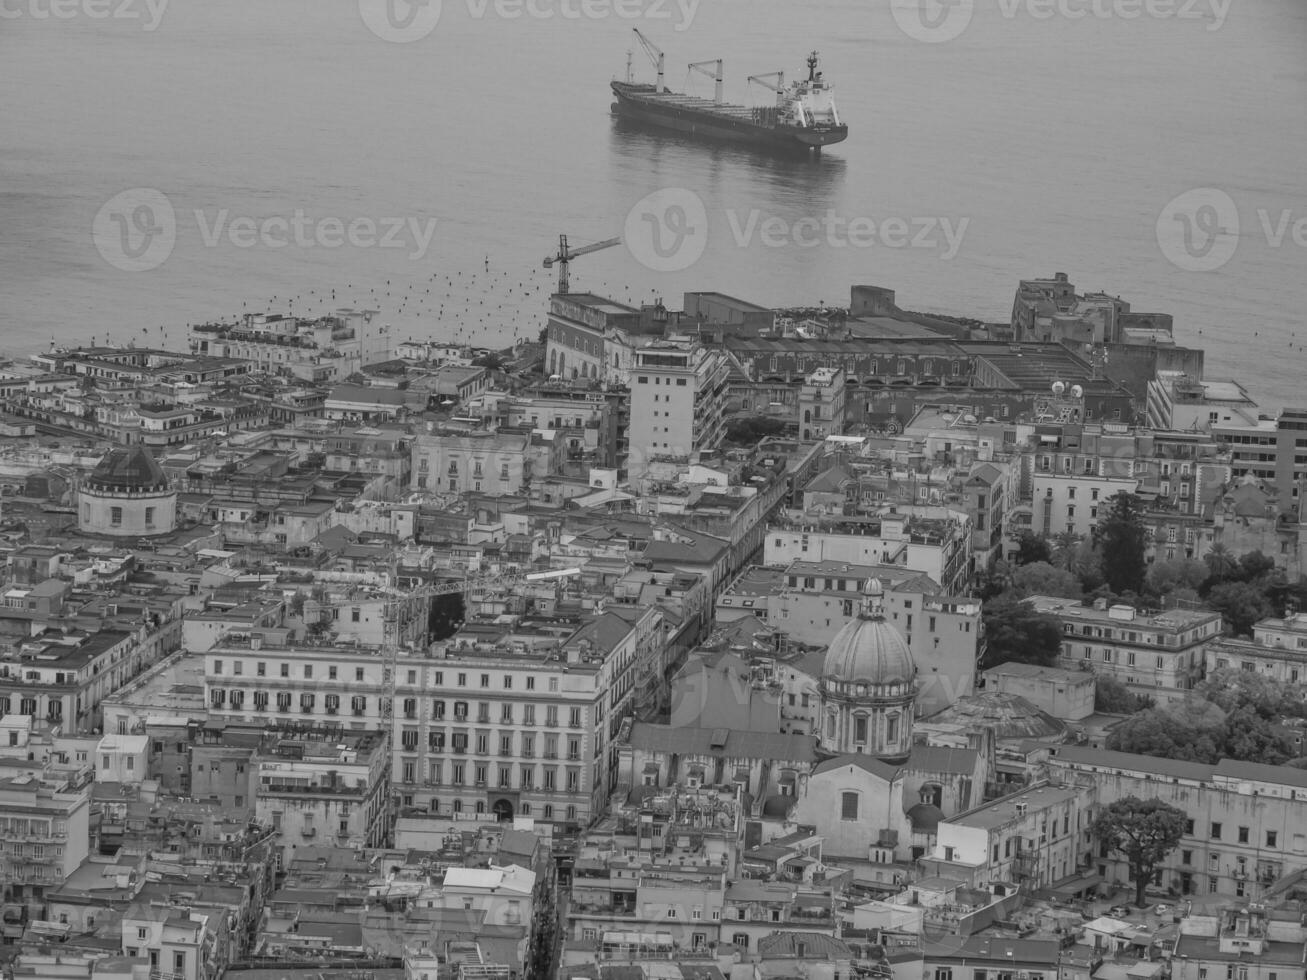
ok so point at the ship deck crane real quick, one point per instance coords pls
(777, 86)
(717, 88)
(566, 255)
(655, 56)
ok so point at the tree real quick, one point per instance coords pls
(1222, 566)
(1230, 689)
(1162, 733)
(1121, 538)
(1031, 548)
(1065, 545)
(1241, 605)
(492, 361)
(1113, 697)
(1252, 738)
(1254, 566)
(1016, 632)
(749, 430)
(1165, 577)
(1041, 578)
(1144, 832)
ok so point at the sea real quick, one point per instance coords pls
(171, 162)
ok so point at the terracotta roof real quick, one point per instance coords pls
(132, 468)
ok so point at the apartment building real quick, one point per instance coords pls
(46, 829)
(678, 396)
(522, 724)
(1032, 839)
(1161, 653)
(821, 403)
(177, 944)
(939, 547)
(1278, 650)
(324, 786)
(480, 462)
(1067, 502)
(1272, 449)
(1246, 823)
(1241, 942)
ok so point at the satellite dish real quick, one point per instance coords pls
(1077, 391)
(1058, 387)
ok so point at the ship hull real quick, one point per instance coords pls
(702, 119)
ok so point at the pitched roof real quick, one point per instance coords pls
(723, 742)
(940, 759)
(868, 763)
(816, 945)
(1081, 755)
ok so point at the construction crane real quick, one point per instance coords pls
(566, 255)
(655, 56)
(717, 77)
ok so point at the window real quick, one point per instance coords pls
(1243, 835)
(1216, 831)
(115, 516)
(217, 666)
(1272, 838)
(358, 673)
(849, 806)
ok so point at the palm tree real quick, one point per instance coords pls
(1221, 562)
(1064, 549)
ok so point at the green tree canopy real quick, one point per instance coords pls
(1016, 632)
(1144, 832)
(1158, 732)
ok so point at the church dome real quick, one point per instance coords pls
(869, 650)
(131, 470)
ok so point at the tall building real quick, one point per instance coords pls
(678, 395)
(821, 404)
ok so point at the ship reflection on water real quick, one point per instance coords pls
(722, 168)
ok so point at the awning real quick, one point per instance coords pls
(1075, 885)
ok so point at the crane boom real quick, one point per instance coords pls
(717, 77)
(655, 56)
(566, 254)
(777, 86)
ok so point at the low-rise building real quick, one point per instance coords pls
(1162, 653)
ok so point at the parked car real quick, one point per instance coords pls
(1161, 909)
(1119, 911)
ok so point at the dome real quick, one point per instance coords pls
(869, 649)
(1009, 716)
(126, 471)
(925, 817)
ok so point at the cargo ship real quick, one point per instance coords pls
(803, 117)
